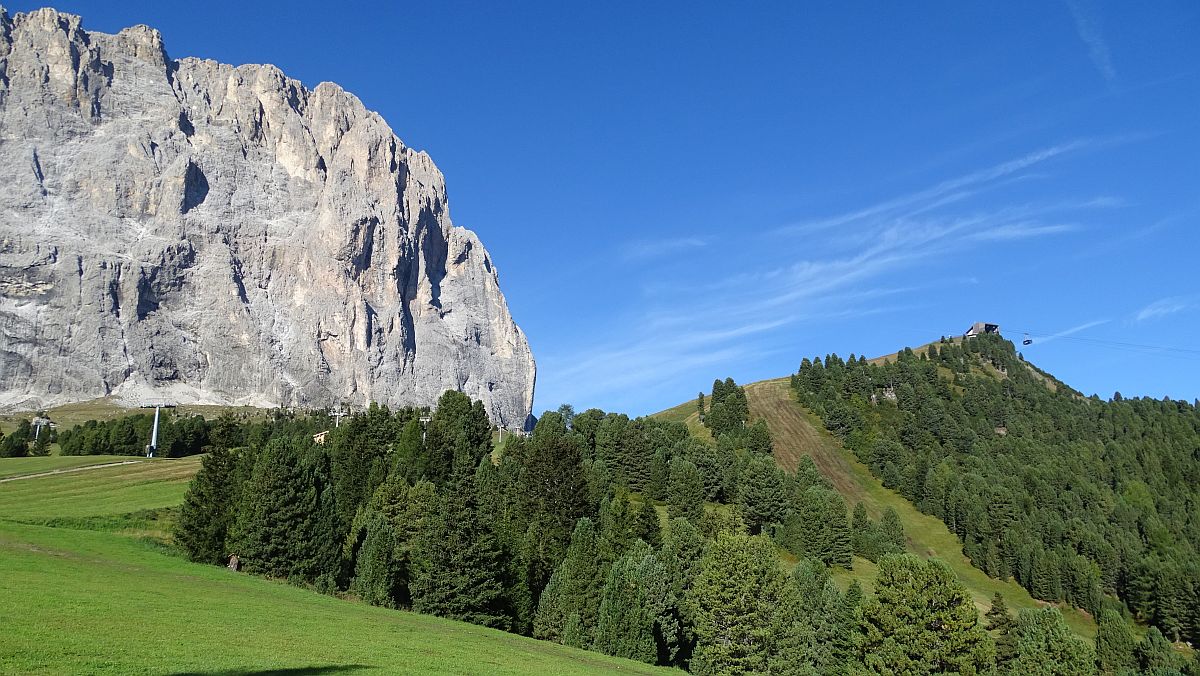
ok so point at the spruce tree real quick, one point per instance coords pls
(825, 639)
(1155, 652)
(618, 525)
(764, 495)
(634, 620)
(685, 491)
(736, 601)
(891, 532)
(208, 509)
(682, 549)
(837, 531)
(758, 438)
(1002, 626)
(1114, 643)
(660, 476)
(862, 533)
(378, 574)
(1045, 646)
(569, 606)
(277, 528)
(459, 435)
(648, 528)
(921, 621)
(460, 568)
(409, 459)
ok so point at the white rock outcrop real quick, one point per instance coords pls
(199, 232)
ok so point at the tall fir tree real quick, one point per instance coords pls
(1003, 627)
(682, 550)
(459, 569)
(648, 528)
(685, 491)
(764, 495)
(1156, 654)
(277, 531)
(862, 533)
(1046, 646)
(378, 572)
(1114, 643)
(922, 621)
(568, 608)
(458, 436)
(736, 603)
(891, 532)
(635, 619)
(208, 509)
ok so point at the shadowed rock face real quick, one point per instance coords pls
(198, 232)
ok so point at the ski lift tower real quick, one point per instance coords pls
(152, 447)
(425, 418)
(40, 422)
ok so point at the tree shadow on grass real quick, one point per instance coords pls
(294, 671)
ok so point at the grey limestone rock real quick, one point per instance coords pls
(198, 232)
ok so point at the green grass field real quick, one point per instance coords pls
(105, 491)
(12, 467)
(796, 433)
(99, 592)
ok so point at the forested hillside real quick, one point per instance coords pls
(561, 535)
(1092, 502)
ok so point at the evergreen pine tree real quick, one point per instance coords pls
(891, 532)
(634, 620)
(409, 459)
(861, 533)
(459, 570)
(569, 606)
(682, 550)
(685, 491)
(1046, 647)
(922, 620)
(659, 476)
(839, 552)
(1155, 652)
(377, 572)
(758, 438)
(618, 526)
(1114, 643)
(1002, 626)
(459, 435)
(208, 509)
(764, 495)
(648, 528)
(277, 528)
(736, 601)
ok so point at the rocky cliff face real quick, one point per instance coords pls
(198, 232)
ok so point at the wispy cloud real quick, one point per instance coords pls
(1163, 307)
(1087, 24)
(646, 249)
(1042, 340)
(773, 287)
(1025, 230)
(939, 195)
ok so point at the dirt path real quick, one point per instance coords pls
(68, 469)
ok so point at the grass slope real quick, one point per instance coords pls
(98, 597)
(14, 467)
(105, 491)
(796, 432)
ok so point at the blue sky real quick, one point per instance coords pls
(686, 191)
